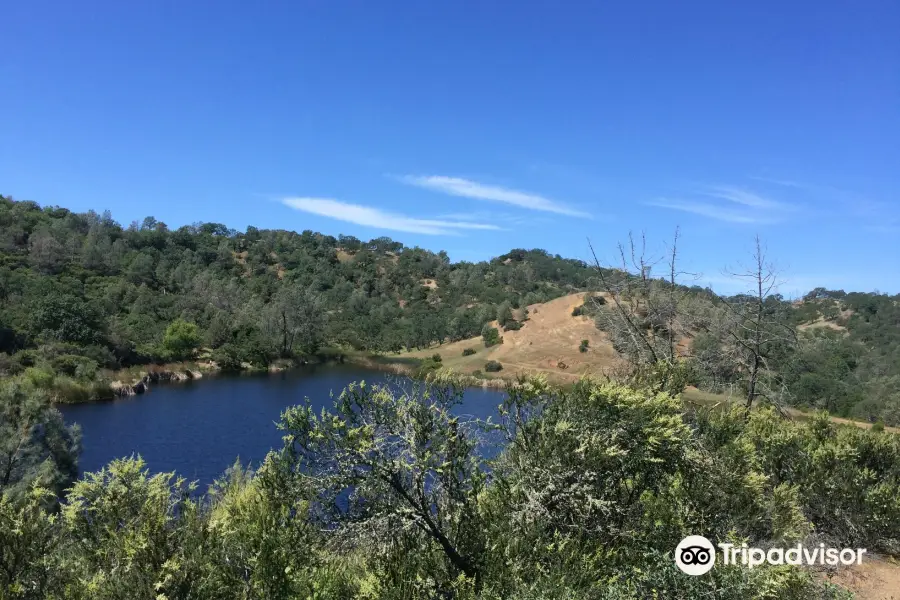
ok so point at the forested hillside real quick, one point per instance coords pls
(389, 494)
(79, 292)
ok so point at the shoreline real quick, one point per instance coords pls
(138, 380)
(143, 377)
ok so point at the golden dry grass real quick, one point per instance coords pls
(821, 323)
(550, 337)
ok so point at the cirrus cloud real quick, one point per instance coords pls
(368, 216)
(466, 188)
(728, 203)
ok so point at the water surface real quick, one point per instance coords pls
(198, 428)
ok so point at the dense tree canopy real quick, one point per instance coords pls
(81, 285)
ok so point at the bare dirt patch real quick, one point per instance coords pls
(875, 579)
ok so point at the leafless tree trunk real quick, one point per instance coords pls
(749, 332)
(648, 318)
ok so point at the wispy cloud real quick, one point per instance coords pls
(466, 188)
(728, 203)
(743, 197)
(379, 219)
(712, 211)
(832, 202)
(808, 187)
(504, 218)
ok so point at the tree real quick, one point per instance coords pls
(504, 314)
(491, 336)
(296, 317)
(753, 335)
(142, 269)
(36, 446)
(45, 252)
(394, 467)
(67, 318)
(648, 317)
(181, 339)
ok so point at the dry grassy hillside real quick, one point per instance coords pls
(548, 342)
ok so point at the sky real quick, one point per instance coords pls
(476, 127)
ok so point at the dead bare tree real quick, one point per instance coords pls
(751, 334)
(647, 320)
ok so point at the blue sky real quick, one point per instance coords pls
(475, 127)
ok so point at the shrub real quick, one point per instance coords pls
(426, 367)
(584, 346)
(39, 378)
(492, 366)
(25, 358)
(436, 358)
(100, 355)
(878, 426)
(468, 351)
(75, 366)
(181, 339)
(578, 311)
(9, 366)
(227, 357)
(491, 336)
(512, 326)
(477, 373)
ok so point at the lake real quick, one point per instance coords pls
(198, 428)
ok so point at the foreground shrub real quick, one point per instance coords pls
(391, 494)
(492, 366)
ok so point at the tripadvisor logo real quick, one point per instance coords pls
(696, 555)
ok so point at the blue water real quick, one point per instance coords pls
(199, 428)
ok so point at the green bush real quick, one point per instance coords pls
(584, 346)
(9, 366)
(878, 426)
(436, 357)
(75, 366)
(227, 357)
(492, 366)
(39, 378)
(468, 351)
(427, 367)
(628, 461)
(512, 326)
(491, 336)
(181, 339)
